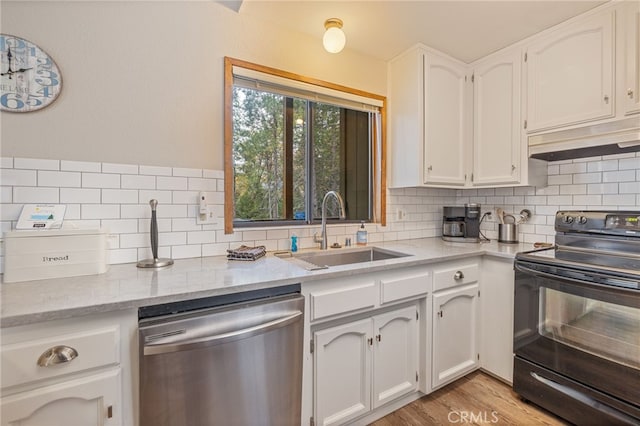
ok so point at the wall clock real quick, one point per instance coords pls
(29, 79)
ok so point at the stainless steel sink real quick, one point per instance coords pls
(324, 259)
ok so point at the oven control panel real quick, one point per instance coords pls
(625, 223)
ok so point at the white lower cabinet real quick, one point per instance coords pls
(361, 365)
(76, 371)
(455, 343)
(88, 401)
(496, 317)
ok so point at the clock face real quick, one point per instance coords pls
(29, 79)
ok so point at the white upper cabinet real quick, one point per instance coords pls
(427, 119)
(497, 135)
(632, 58)
(444, 145)
(571, 74)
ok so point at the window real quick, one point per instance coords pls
(288, 143)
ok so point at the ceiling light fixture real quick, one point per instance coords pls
(334, 38)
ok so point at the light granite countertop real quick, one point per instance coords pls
(125, 286)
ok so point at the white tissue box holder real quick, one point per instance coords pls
(44, 254)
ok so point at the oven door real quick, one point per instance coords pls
(577, 325)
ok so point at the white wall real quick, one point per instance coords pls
(143, 81)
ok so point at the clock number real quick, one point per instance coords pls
(11, 101)
(33, 101)
(44, 92)
(48, 78)
(44, 63)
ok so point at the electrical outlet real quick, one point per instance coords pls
(206, 219)
(401, 214)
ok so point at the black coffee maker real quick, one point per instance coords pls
(461, 224)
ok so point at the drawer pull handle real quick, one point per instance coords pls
(458, 276)
(57, 355)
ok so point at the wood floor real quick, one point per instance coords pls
(477, 399)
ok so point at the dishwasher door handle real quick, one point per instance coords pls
(191, 344)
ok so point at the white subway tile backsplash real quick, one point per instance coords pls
(192, 173)
(59, 179)
(123, 256)
(131, 169)
(163, 197)
(573, 189)
(138, 182)
(134, 211)
(36, 164)
(198, 184)
(590, 200)
(79, 195)
(629, 188)
(155, 171)
(136, 240)
(80, 166)
(201, 237)
(602, 166)
(100, 211)
(6, 194)
(119, 196)
(629, 163)
(587, 177)
(566, 169)
(602, 188)
(619, 200)
(620, 176)
(185, 197)
(99, 180)
(213, 174)
(186, 251)
(560, 180)
(34, 195)
(172, 183)
(115, 196)
(14, 177)
(121, 226)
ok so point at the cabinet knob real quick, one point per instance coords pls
(630, 93)
(430, 168)
(57, 355)
(606, 99)
(458, 275)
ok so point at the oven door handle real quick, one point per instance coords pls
(196, 343)
(535, 272)
(585, 399)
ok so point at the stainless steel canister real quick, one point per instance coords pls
(507, 233)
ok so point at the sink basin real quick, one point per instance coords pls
(324, 259)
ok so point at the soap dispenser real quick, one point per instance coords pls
(361, 235)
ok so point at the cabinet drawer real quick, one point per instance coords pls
(454, 276)
(95, 348)
(401, 288)
(340, 300)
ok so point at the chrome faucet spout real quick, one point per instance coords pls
(323, 236)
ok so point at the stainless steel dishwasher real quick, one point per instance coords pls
(230, 360)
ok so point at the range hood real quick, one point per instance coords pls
(616, 137)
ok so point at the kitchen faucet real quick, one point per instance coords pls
(323, 236)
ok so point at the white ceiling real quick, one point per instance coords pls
(466, 30)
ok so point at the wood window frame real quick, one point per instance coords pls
(379, 155)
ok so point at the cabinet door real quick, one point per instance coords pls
(570, 74)
(444, 121)
(632, 51)
(497, 121)
(342, 372)
(454, 333)
(92, 400)
(395, 356)
(496, 317)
